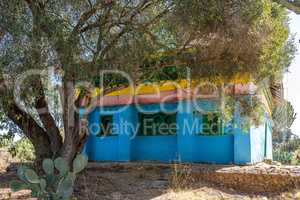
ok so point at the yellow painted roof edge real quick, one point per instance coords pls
(163, 86)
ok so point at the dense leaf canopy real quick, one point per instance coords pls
(82, 37)
(293, 5)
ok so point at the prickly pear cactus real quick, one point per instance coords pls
(61, 165)
(79, 163)
(56, 184)
(48, 166)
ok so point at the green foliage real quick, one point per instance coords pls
(17, 186)
(288, 152)
(162, 68)
(282, 157)
(296, 157)
(6, 140)
(291, 145)
(251, 111)
(48, 166)
(31, 176)
(22, 149)
(232, 37)
(79, 163)
(226, 37)
(61, 165)
(293, 5)
(52, 185)
(283, 116)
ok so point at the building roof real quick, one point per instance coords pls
(169, 91)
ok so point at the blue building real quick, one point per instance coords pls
(166, 123)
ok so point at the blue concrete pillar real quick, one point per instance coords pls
(94, 122)
(242, 145)
(185, 131)
(242, 148)
(237, 126)
(126, 122)
(93, 128)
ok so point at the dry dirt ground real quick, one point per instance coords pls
(142, 182)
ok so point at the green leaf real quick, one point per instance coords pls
(43, 184)
(31, 176)
(72, 176)
(48, 166)
(35, 189)
(55, 196)
(21, 171)
(79, 163)
(51, 179)
(61, 165)
(17, 186)
(65, 187)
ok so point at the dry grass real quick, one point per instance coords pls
(181, 178)
(145, 181)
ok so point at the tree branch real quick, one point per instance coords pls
(85, 16)
(291, 5)
(49, 124)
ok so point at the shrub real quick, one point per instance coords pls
(23, 150)
(6, 140)
(282, 156)
(296, 157)
(288, 153)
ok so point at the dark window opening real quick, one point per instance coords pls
(157, 124)
(211, 124)
(106, 123)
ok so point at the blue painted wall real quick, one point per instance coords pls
(161, 148)
(103, 149)
(110, 148)
(192, 146)
(184, 133)
(187, 146)
(212, 149)
(125, 133)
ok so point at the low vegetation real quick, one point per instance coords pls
(21, 149)
(288, 152)
(57, 183)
